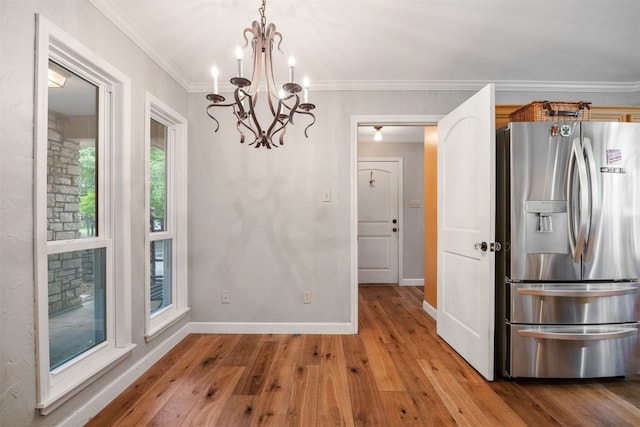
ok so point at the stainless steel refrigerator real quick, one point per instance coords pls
(567, 277)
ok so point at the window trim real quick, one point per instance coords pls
(176, 211)
(57, 386)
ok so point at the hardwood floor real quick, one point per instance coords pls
(396, 371)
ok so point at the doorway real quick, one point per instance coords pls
(368, 122)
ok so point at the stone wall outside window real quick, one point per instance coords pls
(68, 272)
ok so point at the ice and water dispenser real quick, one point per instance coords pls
(546, 227)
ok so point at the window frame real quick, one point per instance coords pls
(54, 387)
(175, 215)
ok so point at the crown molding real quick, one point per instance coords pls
(107, 8)
(457, 85)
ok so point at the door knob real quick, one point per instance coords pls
(482, 246)
(395, 229)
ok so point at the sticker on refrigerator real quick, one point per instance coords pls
(614, 155)
(565, 130)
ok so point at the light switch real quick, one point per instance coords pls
(326, 196)
(416, 203)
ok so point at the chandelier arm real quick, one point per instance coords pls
(242, 121)
(295, 108)
(277, 119)
(217, 105)
(238, 104)
(254, 30)
(269, 76)
(272, 35)
(256, 72)
(279, 36)
(283, 123)
(240, 131)
(313, 121)
(255, 128)
(213, 118)
(270, 103)
(284, 130)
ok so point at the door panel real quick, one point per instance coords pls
(613, 246)
(539, 218)
(378, 208)
(466, 218)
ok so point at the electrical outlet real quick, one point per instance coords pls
(226, 297)
(307, 297)
(326, 195)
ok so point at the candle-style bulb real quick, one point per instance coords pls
(215, 73)
(305, 86)
(292, 64)
(239, 58)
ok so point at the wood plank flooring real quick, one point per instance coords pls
(395, 372)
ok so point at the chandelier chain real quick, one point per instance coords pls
(263, 18)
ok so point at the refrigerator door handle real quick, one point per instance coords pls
(577, 160)
(594, 193)
(578, 293)
(578, 336)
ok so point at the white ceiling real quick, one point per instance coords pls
(584, 45)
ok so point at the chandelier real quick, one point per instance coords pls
(283, 104)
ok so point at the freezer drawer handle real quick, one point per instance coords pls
(578, 336)
(577, 294)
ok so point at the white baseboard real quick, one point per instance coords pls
(272, 328)
(117, 386)
(431, 311)
(411, 282)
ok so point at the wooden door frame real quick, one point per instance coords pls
(382, 120)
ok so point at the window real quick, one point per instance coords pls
(81, 229)
(166, 156)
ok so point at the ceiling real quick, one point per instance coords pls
(393, 134)
(569, 45)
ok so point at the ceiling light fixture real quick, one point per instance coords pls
(283, 103)
(55, 79)
(377, 135)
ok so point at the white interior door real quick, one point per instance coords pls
(466, 218)
(378, 221)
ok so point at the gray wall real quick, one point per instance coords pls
(412, 224)
(257, 225)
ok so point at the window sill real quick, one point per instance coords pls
(63, 392)
(165, 324)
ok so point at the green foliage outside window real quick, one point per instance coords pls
(157, 172)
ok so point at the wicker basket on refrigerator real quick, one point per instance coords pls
(547, 111)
